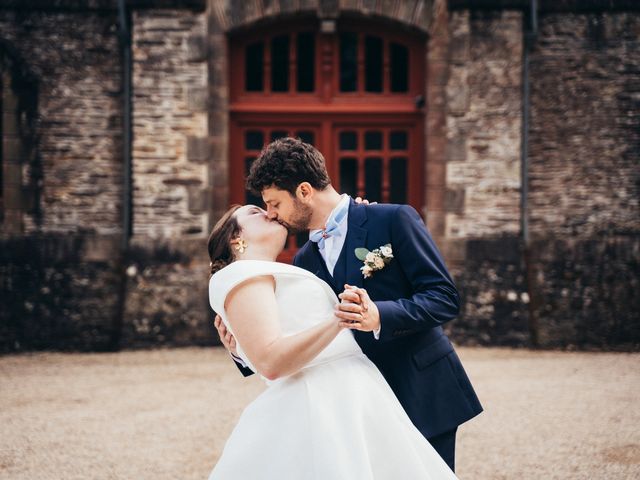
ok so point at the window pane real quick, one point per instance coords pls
(398, 140)
(280, 64)
(398, 180)
(348, 141)
(253, 140)
(399, 68)
(373, 140)
(373, 64)
(306, 137)
(278, 134)
(349, 176)
(306, 56)
(253, 67)
(249, 197)
(348, 62)
(373, 179)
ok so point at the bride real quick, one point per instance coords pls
(327, 413)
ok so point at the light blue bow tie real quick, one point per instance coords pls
(332, 226)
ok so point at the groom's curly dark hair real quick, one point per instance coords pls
(286, 163)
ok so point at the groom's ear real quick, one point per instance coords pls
(304, 192)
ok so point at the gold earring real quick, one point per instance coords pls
(241, 245)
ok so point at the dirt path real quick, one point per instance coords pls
(165, 414)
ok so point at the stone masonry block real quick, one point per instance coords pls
(218, 150)
(12, 149)
(454, 200)
(9, 100)
(9, 123)
(12, 197)
(198, 199)
(197, 48)
(12, 221)
(458, 91)
(12, 174)
(457, 149)
(423, 17)
(435, 198)
(438, 72)
(436, 223)
(198, 149)
(435, 173)
(349, 4)
(327, 8)
(198, 98)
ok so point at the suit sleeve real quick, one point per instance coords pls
(435, 299)
(244, 370)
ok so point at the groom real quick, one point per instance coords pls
(397, 312)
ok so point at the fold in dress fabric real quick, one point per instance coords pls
(336, 418)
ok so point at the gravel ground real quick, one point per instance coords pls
(165, 414)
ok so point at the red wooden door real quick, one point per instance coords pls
(351, 94)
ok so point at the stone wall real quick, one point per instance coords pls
(58, 292)
(575, 294)
(79, 128)
(65, 282)
(575, 286)
(585, 125)
(171, 150)
(166, 295)
(484, 124)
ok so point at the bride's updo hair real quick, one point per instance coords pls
(219, 244)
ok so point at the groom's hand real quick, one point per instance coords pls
(356, 310)
(225, 335)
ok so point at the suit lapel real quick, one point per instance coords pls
(348, 264)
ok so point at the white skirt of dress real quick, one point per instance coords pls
(333, 421)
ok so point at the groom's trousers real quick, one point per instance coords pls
(445, 445)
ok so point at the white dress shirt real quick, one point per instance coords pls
(332, 246)
(330, 250)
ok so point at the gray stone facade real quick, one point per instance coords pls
(170, 144)
(78, 117)
(484, 124)
(585, 126)
(68, 283)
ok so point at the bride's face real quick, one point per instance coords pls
(257, 228)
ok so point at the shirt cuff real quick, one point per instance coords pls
(237, 359)
(376, 333)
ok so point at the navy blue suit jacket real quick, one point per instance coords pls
(415, 296)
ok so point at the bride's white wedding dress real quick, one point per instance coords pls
(337, 418)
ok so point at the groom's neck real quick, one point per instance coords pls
(325, 201)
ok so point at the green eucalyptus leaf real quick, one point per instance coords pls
(361, 253)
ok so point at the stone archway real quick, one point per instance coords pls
(427, 16)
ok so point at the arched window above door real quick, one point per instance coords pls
(360, 60)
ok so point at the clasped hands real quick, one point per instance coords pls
(355, 311)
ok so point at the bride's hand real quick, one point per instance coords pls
(356, 310)
(227, 339)
(363, 201)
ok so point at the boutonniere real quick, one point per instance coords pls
(374, 260)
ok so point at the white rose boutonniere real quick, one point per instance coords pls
(374, 260)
